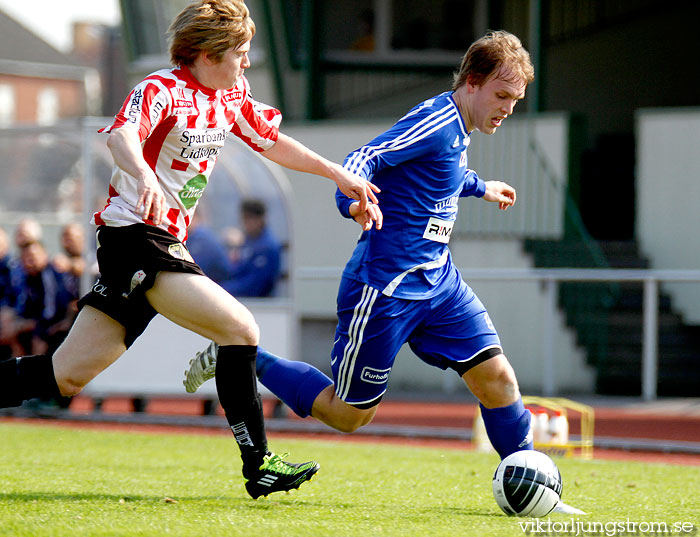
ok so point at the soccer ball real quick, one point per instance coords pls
(527, 483)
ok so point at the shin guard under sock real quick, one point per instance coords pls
(237, 387)
(25, 378)
(508, 427)
(296, 384)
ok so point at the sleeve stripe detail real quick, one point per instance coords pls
(416, 133)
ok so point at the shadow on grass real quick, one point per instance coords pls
(31, 497)
(465, 511)
(261, 504)
(91, 496)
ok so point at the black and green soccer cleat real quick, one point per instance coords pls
(275, 475)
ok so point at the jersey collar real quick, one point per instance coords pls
(186, 74)
(466, 133)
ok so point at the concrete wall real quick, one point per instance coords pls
(668, 184)
(518, 310)
(157, 360)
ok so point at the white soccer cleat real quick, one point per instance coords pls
(561, 507)
(202, 368)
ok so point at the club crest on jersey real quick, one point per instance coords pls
(438, 230)
(178, 251)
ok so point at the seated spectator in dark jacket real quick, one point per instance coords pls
(70, 262)
(5, 277)
(27, 231)
(4, 254)
(257, 268)
(208, 250)
(7, 298)
(44, 305)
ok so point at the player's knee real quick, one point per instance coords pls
(250, 333)
(501, 391)
(505, 389)
(68, 385)
(350, 424)
(352, 419)
(497, 386)
(240, 331)
(70, 377)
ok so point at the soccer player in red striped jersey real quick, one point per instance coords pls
(165, 141)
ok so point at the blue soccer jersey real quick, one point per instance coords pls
(421, 163)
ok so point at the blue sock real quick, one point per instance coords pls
(508, 427)
(296, 384)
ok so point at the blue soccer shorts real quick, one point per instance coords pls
(449, 330)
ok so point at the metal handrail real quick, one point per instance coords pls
(550, 277)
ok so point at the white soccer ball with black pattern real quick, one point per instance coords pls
(527, 483)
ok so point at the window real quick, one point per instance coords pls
(47, 107)
(7, 105)
(384, 26)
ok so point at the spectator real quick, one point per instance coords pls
(258, 267)
(5, 288)
(28, 230)
(208, 250)
(233, 240)
(4, 250)
(70, 262)
(6, 297)
(44, 312)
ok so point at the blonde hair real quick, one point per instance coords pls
(209, 26)
(499, 54)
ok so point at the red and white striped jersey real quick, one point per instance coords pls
(182, 126)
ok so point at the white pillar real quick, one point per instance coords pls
(650, 341)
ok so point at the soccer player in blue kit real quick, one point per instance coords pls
(400, 284)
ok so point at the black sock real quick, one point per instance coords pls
(25, 378)
(237, 387)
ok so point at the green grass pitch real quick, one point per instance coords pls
(69, 482)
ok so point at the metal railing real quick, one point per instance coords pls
(650, 278)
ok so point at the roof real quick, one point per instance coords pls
(19, 44)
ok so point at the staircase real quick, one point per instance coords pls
(608, 321)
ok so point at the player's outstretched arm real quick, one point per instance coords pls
(500, 192)
(294, 155)
(371, 215)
